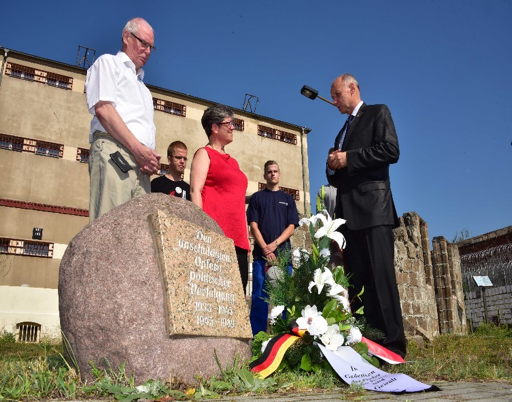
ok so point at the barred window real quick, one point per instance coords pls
(11, 142)
(50, 149)
(239, 124)
(20, 144)
(82, 155)
(37, 75)
(59, 81)
(26, 247)
(293, 192)
(164, 169)
(278, 135)
(28, 332)
(170, 107)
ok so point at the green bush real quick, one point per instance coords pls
(490, 329)
(7, 337)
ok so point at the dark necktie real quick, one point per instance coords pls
(349, 122)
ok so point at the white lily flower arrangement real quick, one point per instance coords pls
(315, 298)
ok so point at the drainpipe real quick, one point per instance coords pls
(3, 64)
(303, 131)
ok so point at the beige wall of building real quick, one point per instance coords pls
(52, 193)
(28, 305)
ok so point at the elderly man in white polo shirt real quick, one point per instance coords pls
(122, 135)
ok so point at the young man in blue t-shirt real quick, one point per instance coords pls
(272, 216)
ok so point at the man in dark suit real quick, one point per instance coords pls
(358, 166)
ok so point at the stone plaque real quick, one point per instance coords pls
(202, 286)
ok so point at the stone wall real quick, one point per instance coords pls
(413, 267)
(488, 255)
(448, 283)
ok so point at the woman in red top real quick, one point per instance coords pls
(218, 186)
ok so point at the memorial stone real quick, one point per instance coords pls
(114, 299)
(203, 290)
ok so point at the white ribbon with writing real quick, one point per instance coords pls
(351, 367)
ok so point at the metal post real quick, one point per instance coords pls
(485, 305)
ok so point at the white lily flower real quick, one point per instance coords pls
(344, 301)
(325, 252)
(335, 289)
(354, 336)
(275, 313)
(307, 221)
(320, 279)
(329, 229)
(312, 321)
(332, 339)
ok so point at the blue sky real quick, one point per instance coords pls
(442, 66)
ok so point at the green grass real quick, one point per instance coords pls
(485, 355)
(38, 371)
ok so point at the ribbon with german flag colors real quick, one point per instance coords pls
(276, 348)
(383, 353)
(345, 361)
(271, 358)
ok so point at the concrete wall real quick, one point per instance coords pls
(17, 270)
(26, 304)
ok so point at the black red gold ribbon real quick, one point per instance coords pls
(271, 358)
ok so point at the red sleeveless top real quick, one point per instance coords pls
(223, 196)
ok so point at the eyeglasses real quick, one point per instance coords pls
(227, 123)
(144, 43)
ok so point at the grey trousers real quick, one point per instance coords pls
(109, 186)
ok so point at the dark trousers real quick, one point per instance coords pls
(369, 258)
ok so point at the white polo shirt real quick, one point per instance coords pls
(115, 80)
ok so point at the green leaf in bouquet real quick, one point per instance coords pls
(312, 231)
(360, 348)
(360, 310)
(360, 293)
(331, 310)
(345, 327)
(306, 363)
(319, 203)
(324, 243)
(338, 274)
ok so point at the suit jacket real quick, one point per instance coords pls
(364, 196)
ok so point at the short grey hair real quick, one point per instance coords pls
(349, 79)
(132, 26)
(214, 115)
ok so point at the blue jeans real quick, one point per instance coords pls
(259, 307)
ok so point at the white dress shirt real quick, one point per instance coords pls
(115, 80)
(331, 172)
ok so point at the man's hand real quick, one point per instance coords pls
(270, 256)
(336, 159)
(269, 248)
(147, 159)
